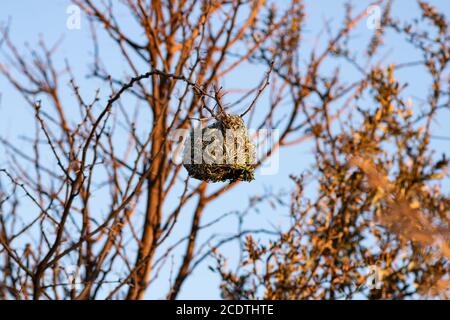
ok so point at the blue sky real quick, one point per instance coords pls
(32, 19)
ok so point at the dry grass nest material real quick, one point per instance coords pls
(224, 152)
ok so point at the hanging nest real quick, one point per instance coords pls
(220, 152)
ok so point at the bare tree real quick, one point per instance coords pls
(176, 65)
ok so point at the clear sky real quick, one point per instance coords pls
(31, 19)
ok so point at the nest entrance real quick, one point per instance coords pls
(220, 152)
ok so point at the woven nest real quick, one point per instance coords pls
(220, 152)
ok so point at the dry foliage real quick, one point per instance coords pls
(379, 200)
(375, 176)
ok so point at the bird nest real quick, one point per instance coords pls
(220, 152)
